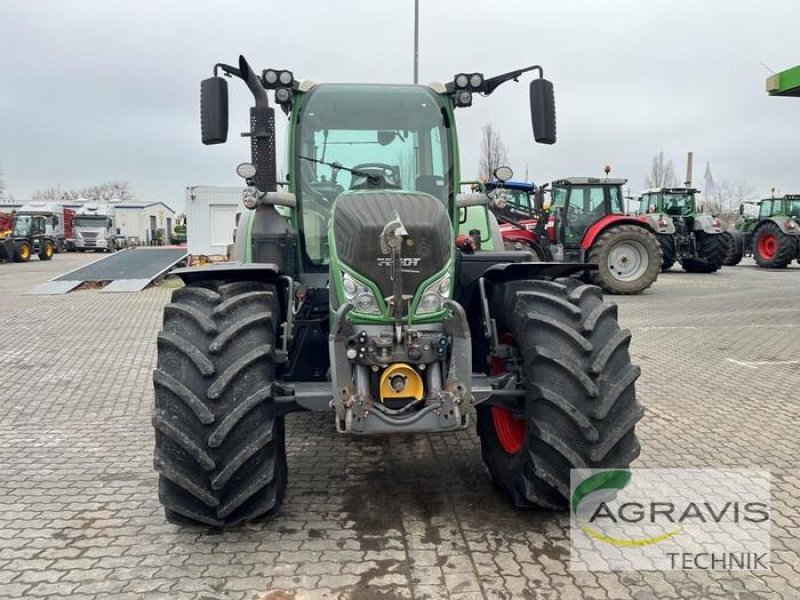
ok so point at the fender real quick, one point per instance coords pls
(603, 224)
(229, 271)
(787, 225)
(708, 224)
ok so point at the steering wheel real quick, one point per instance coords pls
(388, 176)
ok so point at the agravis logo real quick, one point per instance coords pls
(646, 519)
(610, 481)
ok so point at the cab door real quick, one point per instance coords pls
(585, 206)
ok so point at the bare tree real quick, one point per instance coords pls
(725, 200)
(112, 190)
(662, 173)
(51, 194)
(493, 151)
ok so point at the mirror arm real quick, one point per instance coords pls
(493, 83)
(227, 70)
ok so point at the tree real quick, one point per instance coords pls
(112, 190)
(662, 173)
(493, 151)
(726, 197)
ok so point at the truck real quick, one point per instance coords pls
(57, 220)
(94, 228)
(347, 294)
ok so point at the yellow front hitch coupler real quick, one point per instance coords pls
(401, 381)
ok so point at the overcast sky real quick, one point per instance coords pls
(103, 90)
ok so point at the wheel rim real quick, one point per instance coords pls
(24, 252)
(628, 260)
(510, 430)
(768, 245)
(48, 250)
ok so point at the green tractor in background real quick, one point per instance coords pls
(686, 234)
(348, 294)
(771, 237)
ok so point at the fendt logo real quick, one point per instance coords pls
(404, 262)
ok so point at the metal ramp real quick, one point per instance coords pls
(129, 270)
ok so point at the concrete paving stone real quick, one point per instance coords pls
(80, 518)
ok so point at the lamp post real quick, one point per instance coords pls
(416, 41)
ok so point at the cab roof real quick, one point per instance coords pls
(590, 181)
(671, 190)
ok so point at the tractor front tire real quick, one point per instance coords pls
(772, 248)
(667, 251)
(710, 251)
(219, 440)
(579, 409)
(628, 259)
(23, 252)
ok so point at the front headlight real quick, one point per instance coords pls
(434, 296)
(360, 296)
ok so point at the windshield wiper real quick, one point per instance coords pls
(373, 179)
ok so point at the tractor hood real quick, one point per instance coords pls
(359, 226)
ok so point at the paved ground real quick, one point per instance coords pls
(402, 517)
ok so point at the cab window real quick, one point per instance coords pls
(615, 199)
(765, 209)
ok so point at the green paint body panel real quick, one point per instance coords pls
(785, 83)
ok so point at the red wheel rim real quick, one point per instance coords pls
(510, 430)
(768, 245)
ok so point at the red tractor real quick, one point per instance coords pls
(587, 222)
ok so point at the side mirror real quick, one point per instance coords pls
(741, 210)
(214, 110)
(543, 111)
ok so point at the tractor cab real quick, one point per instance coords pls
(675, 202)
(519, 200)
(577, 204)
(788, 206)
(29, 226)
(28, 236)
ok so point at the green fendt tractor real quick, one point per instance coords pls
(349, 295)
(772, 237)
(687, 235)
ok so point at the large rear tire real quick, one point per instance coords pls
(46, 250)
(219, 441)
(667, 251)
(628, 259)
(579, 408)
(710, 254)
(22, 252)
(772, 248)
(734, 248)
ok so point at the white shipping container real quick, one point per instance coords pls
(211, 218)
(143, 219)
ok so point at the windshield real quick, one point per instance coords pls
(394, 137)
(677, 204)
(793, 208)
(89, 221)
(22, 225)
